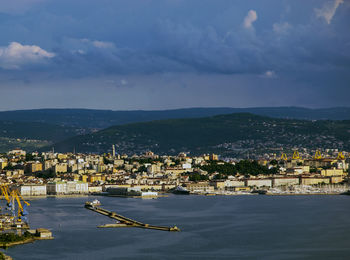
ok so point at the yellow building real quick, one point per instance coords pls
(336, 179)
(62, 156)
(84, 178)
(242, 188)
(60, 168)
(96, 177)
(96, 189)
(219, 185)
(314, 180)
(3, 165)
(101, 168)
(34, 167)
(213, 157)
(332, 172)
(201, 186)
(175, 170)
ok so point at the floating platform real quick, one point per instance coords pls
(124, 221)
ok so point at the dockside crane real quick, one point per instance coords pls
(284, 157)
(21, 209)
(5, 191)
(296, 155)
(340, 156)
(318, 155)
(12, 198)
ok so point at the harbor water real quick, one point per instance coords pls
(212, 227)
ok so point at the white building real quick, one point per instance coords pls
(259, 183)
(32, 190)
(67, 187)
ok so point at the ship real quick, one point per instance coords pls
(92, 204)
(181, 191)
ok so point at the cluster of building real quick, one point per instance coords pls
(67, 173)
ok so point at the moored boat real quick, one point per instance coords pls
(181, 190)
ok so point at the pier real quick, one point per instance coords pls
(124, 221)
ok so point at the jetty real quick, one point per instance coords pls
(124, 221)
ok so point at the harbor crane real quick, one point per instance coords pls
(284, 157)
(16, 205)
(318, 155)
(5, 192)
(296, 155)
(340, 156)
(21, 210)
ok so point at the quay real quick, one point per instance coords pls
(124, 221)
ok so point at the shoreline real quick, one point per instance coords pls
(10, 244)
(165, 194)
(22, 242)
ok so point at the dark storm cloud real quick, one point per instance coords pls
(154, 36)
(300, 41)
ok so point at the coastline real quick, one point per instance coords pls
(4, 256)
(10, 244)
(26, 241)
(166, 194)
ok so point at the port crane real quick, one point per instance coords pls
(21, 209)
(318, 155)
(284, 157)
(296, 155)
(17, 206)
(340, 156)
(5, 192)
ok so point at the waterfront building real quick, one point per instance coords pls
(201, 186)
(332, 172)
(32, 190)
(67, 187)
(259, 182)
(285, 181)
(95, 189)
(314, 180)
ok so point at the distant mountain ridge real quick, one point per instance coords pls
(231, 135)
(99, 119)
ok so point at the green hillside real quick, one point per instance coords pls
(226, 134)
(32, 135)
(99, 119)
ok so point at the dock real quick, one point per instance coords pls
(124, 221)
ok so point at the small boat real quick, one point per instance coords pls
(181, 190)
(96, 202)
(260, 192)
(93, 203)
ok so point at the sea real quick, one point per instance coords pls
(212, 227)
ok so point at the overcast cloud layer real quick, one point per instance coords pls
(148, 54)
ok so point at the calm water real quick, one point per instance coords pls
(237, 227)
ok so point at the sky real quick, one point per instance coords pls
(165, 54)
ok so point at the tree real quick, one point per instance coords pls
(198, 177)
(274, 162)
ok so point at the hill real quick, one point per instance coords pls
(232, 135)
(99, 119)
(32, 135)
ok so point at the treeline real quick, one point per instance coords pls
(245, 167)
(12, 237)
